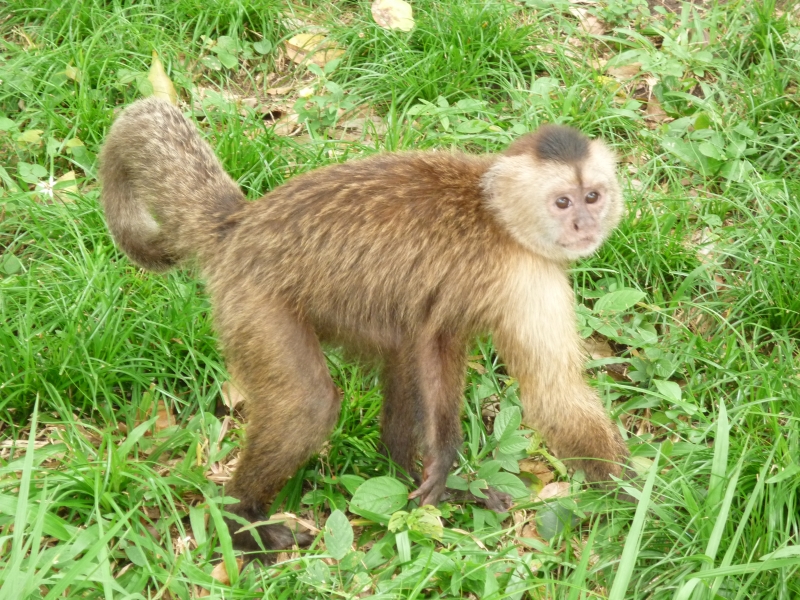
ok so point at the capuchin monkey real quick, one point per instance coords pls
(406, 257)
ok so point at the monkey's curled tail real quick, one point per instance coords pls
(165, 193)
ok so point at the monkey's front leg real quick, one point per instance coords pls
(539, 343)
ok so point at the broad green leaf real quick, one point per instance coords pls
(508, 483)
(670, 390)
(472, 126)
(507, 420)
(262, 47)
(212, 62)
(553, 519)
(226, 43)
(619, 301)
(338, 535)
(489, 468)
(10, 264)
(511, 444)
(454, 482)
(477, 486)
(228, 60)
(403, 547)
(379, 497)
(197, 519)
(426, 520)
(710, 150)
(136, 556)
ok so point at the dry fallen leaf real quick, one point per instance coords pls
(598, 348)
(393, 14)
(536, 467)
(287, 125)
(280, 91)
(220, 573)
(559, 489)
(162, 85)
(231, 396)
(654, 114)
(314, 47)
(589, 23)
(624, 72)
(164, 415)
(293, 522)
(529, 531)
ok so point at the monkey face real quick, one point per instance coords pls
(560, 209)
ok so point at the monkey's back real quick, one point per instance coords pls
(369, 249)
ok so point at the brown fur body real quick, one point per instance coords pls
(406, 257)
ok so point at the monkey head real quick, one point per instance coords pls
(556, 191)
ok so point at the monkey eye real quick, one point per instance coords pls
(563, 202)
(592, 197)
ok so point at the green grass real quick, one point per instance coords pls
(99, 497)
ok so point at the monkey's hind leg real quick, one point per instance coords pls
(291, 406)
(423, 387)
(402, 411)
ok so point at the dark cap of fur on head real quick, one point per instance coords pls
(555, 143)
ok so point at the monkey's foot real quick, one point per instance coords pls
(495, 500)
(260, 540)
(429, 492)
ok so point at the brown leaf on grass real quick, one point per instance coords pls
(393, 14)
(598, 347)
(558, 489)
(539, 469)
(162, 84)
(520, 518)
(293, 522)
(231, 396)
(654, 114)
(369, 124)
(313, 47)
(220, 573)
(588, 22)
(529, 531)
(624, 72)
(287, 125)
(280, 91)
(164, 416)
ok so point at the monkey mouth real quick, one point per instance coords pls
(584, 244)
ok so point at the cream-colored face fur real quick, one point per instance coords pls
(561, 211)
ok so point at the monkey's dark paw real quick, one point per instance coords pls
(264, 538)
(495, 500)
(429, 492)
(499, 502)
